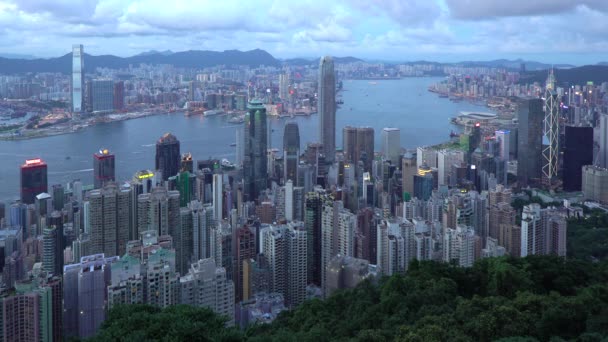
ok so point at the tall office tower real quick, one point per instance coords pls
(255, 160)
(409, 169)
(315, 202)
(345, 272)
(602, 158)
(327, 108)
(284, 87)
(445, 160)
(58, 197)
(426, 155)
(110, 219)
(578, 152)
(103, 168)
(291, 151)
(459, 246)
(206, 285)
(103, 95)
(284, 247)
(158, 211)
(358, 145)
(595, 183)
(529, 142)
(27, 313)
(503, 137)
(33, 180)
(167, 156)
(551, 150)
(240, 140)
(119, 95)
(245, 250)
(289, 201)
(183, 240)
(77, 78)
(365, 237)
(531, 230)
(423, 183)
(85, 287)
(218, 196)
(391, 144)
(187, 164)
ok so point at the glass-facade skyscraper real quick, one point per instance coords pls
(255, 161)
(168, 157)
(77, 78)
(291, 151)
(102, 92)
(529, 142)
(327, 107)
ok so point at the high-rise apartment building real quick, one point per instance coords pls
(119, 95)
(206, 285)
(158, 210)
(459, 246)
(529, 142)
(33, 180)
(109, 219)
(255, 160)
(77, 78)
(391, 144)
(595, 183)
(327, 107)
(168, 156)
(284, 247)
(345, 272)
(85, 295)
(445, 160)
(409, 169)
(103, 168)
(218, 196)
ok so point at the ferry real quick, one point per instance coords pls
(212, 112)
(237, 119)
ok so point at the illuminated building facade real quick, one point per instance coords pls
(33, 180)
(103, 168)
(77, 78)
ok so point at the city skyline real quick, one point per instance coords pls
(443, 30)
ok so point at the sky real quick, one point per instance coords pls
(550, 31)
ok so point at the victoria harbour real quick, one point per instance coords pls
(406, 104)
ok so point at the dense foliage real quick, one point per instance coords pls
(588, 237)
(527, 299)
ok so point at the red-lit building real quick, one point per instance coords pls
(33, 180)
(119, 95)
(103, 168)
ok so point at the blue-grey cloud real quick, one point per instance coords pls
(488, 9)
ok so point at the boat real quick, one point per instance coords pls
(212, 112)
(444, 96)
(454, 134)
(237, 119)
(226, 164)
(68, 158)
(233, 144)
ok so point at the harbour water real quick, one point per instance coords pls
(422, 117)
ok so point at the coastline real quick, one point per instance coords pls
(73, 128)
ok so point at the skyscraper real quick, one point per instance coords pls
(255, 161)
(529, 142)
(167, 156)
(327, 107)
(102, 92)
(408, 171)
(358, 145)
(103, 168)
(158, 211)
(391, 144)
(218, 196)
(291, 151)
(33, 180)
(551, 132)
(603, 153)
(578, 151)
(77, 78)
(503, 137)
(110, 219)
(119, 95)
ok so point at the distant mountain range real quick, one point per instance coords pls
(579, 75)
(515, 64)
(315, 61)
(186, 59)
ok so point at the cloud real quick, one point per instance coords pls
(487, 9)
